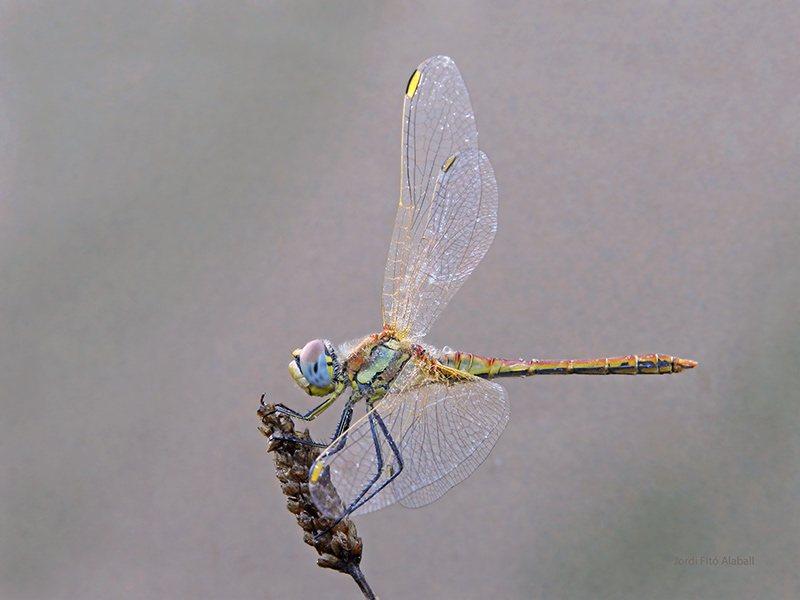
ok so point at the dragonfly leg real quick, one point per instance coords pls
(372, 416)
(394, 472)
(311, 415)
(340, 437)
(361, 500)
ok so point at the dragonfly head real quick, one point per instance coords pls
(315, 368)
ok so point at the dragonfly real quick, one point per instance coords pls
(431, 416)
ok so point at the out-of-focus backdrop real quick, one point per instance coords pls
(189, 191)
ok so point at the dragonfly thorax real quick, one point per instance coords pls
(376, 363)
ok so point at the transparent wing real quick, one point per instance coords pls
(415, 445)
(447, 216)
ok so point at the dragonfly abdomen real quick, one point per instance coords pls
(632, 364)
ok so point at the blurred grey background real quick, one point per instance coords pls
(191, 190)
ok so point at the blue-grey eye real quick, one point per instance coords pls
(313, 362)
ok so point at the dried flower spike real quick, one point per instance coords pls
(339, 546)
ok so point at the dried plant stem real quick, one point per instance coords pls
(339, 546)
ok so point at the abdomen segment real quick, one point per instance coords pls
(633, 364)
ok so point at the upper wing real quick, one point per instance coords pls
(428, 434)
(447, 216)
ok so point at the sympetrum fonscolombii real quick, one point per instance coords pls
(431, 416)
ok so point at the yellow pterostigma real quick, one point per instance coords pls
(432, 416)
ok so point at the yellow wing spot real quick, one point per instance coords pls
(449, 163)
(413, 83)
(315, 471)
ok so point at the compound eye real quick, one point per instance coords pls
(313, 361)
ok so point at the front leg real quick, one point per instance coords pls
(310, 416)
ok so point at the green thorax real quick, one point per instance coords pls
(376, 362)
